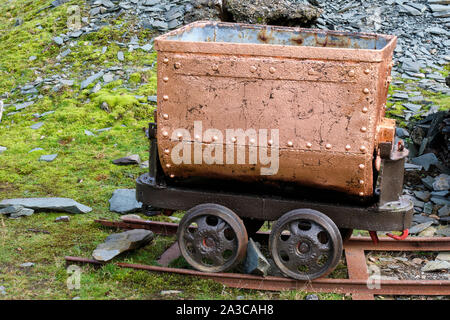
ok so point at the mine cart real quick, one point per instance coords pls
(262, 123)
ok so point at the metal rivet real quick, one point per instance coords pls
(361, 181)
(362, 166)
(215, 67)
(366, 90)
(351, 73)
(166, 61)
(309, 145)
(270, 142)
(179, 135)
(272, 70)
(311, 71)
(328, 146)
(367, 71)
(364, 110)
(252, 141)
(363, 129)
(233, 139)
(177, 65)
(172, 175)
(166, 151)
(165, 133)
(215, 138)
(168, 165)
(253, 69)
(165, 98)
(361, 194)
(348, 147)
(362, 148)
(165, 116)
(165, 79)
(197, 137)
(290, 144)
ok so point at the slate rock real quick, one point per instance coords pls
(37, 125)
(124, 201)
(121, 242)
(58, 40)
(420, 227)
(436, 265)
(27, 265)
(444, 211)
(91, 79)
(11, 209)
(428, 232)
(312, 297)
(428, 182)
(255, 262)
(3, 149)
(443, 256)
(133, 159)
(441, 182)
(442, 201)
(285, 12)
(88, 133)
(2, 291)
(52, 204)
(120, 56)
(62, 219)
(422, 195)
(426, 160)
(130, 216)
(25, 212)
(48, 157)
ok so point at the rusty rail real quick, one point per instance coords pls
(358, 284)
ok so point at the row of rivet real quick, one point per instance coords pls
(328, 146)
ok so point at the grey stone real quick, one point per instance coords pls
(444, 211)
(91, 79)
(37, 125)
(443, 232)
(443, 256)
(27, 265)
(21, 106)
(3, 149)
(423, 195)
(58, 40)
(76, 34)
(2, 291)
(441, 182)
(264, 11)
(108, 77)
(24, 212)
(412, 66)
(62, 219)
(413, 107)
(426, 160)
(255, 262)
(104, 129)
(436, 265)
(121, 242)
(147, 47)
(152, 99)
(104, 49)
(32, 58)
(120, 56)
(443, 201)
(420, 227)
(428, 182)
(133, 159)
(418, 218)
(124, 201)
(401, 133)
(52, 204)
(428, 208)
(65, 53)
(428, 232)
(89, 133)
(312, 297)
(48, 157)
(68, 83)
(130, 216)
(11, 209)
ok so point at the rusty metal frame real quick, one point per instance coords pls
(395, 217)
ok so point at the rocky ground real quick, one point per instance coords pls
(77, 85)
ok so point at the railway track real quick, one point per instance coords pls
(359, 284)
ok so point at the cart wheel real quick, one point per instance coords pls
(252, 225)
(212, 238)
(305, 244)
